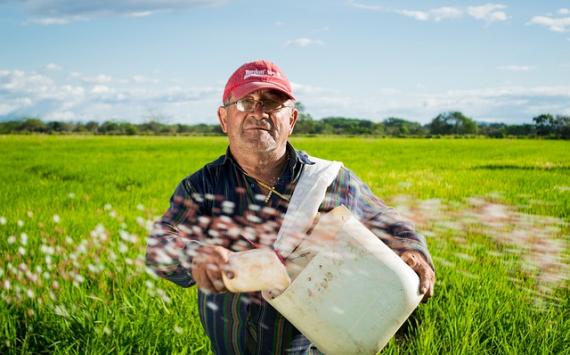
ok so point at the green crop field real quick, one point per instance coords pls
(75, 212)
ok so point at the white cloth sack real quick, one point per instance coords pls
(304, 205)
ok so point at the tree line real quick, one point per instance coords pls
(452, 123)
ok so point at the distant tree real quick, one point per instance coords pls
(109, 127)
(300, 107)
(493, 130)
(400, 127)
(544, 124)
(524, 130)
(305, 122)
(33, 125)
(61, 127)
(453, 122)
(7, 127)
(324, 128)
(562, 126)
(92, 126)
(350, 126)
(128, 128)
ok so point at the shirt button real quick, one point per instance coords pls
(249, 323)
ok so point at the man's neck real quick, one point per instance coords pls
(265, 166)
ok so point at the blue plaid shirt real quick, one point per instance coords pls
(218, 203)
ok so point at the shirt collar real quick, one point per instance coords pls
(294, 157)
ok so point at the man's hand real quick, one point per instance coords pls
(207, 267)
(420, 265)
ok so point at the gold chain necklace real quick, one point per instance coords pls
(271, 189)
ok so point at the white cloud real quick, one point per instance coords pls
(66, 97)
(50, 12)
(507, 104)
(488, 12)
(97, 79)
(560, 24)
(98, 89)
(301, 42)
(139, 79)
(433, 14)
(79, 97)
(308, 90)
(418, 15)
(140, 14)
(564, 11)
(52, 66)
(365, 6)
(517, 67)
(56, 21)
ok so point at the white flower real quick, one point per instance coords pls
(123, 248)
(56, 218)
(21, 251)
(2, 220)
(24, 239)
(71, 195)
(20, 223)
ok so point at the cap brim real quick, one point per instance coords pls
(248, 88)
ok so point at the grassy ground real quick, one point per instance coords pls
(75, 212)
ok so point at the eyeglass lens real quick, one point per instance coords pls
(248, 105)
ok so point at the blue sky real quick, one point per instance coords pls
(78, 60)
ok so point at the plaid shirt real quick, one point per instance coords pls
(216, 205)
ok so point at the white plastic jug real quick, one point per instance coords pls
(349, 292)
(256, 270)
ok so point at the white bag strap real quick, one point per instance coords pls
(304, 205)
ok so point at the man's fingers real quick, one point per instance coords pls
(427, 280)
(228, 270)
(424, 271)
(207, 268)
(214, 273)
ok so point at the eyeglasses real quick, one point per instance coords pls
(249, 105)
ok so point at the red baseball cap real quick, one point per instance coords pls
(261, 74)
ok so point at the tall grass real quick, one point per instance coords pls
(75, 212)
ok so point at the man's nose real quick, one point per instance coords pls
(258, 110)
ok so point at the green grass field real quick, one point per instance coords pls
(75, 212)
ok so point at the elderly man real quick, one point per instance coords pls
(238, 202)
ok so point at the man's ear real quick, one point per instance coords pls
(293, 119)
(223, 117)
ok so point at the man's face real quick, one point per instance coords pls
(258, 131)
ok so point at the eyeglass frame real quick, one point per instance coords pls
(257, 102)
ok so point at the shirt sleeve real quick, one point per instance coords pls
(175, 236)
(385, 222)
